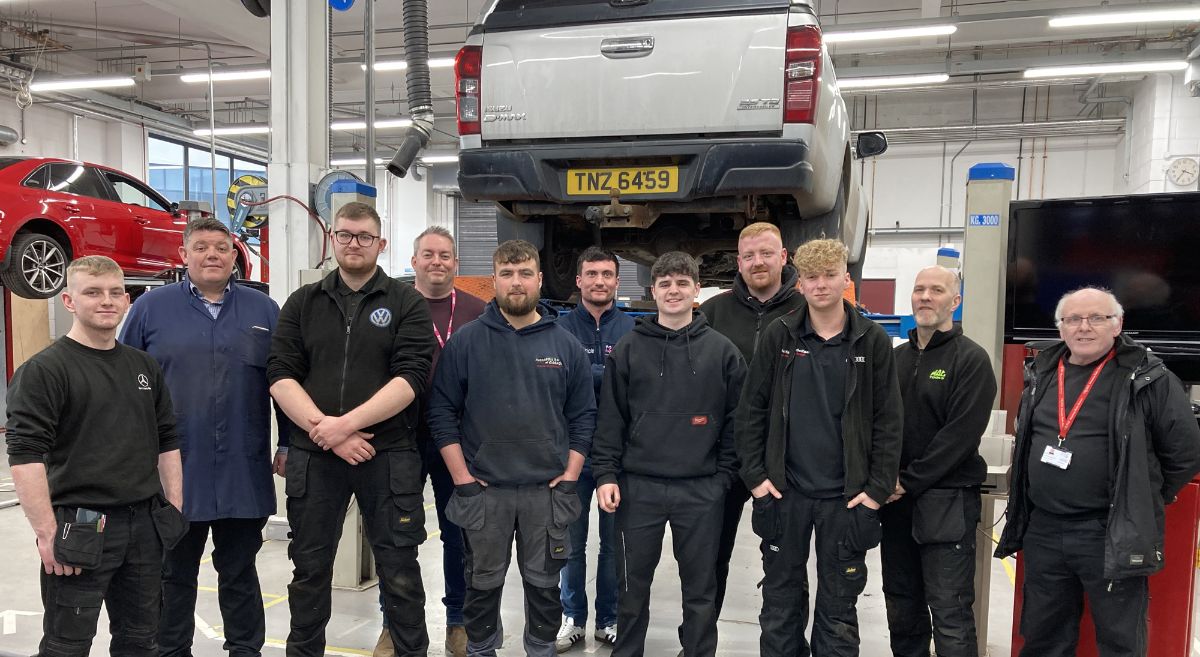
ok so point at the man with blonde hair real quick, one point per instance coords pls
(818, 435)
(763, 291)
(95, 460)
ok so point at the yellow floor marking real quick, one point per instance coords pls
(1008, 569)
(277, 600)
(433, 533)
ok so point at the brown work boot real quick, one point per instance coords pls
(384, 647)
(456, 641)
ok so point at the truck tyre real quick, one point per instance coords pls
(797, 231)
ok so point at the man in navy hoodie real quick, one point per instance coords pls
(512, 412)
(598, 324)
(664, 453)
(212, 337)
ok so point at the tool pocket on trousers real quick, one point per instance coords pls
(404, 472)
(557, 543)
(466, 511)
(77, 544)
(863, 531)
(296, 473)
(78, 602)
(565, 506)
(852, 576)
(408, 520)
(764, 518)
(169, 523)
(939, 516)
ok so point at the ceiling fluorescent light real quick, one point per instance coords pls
(64, 84)
(1175, 15)
(354, 162)
(891, 33)
(400, 64)
(1103, 69)
(892, 81)
(439, 159)
(381, 124)
(224, 131)
(227, 76)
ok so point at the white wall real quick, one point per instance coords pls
(1164, 123)
(53, 132)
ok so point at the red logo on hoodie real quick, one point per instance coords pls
(699, 420)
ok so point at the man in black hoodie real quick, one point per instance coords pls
(512, 412)
(763, 290)
(818, 436)
(663, 452)
(1105, 439)
(929, 523)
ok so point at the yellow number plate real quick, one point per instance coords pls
(638, 180)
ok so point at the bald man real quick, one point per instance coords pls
(928, 546)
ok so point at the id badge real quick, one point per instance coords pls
(1057, 457)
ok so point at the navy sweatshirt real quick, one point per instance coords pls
(668, 402)
(597, 341)
(515, 400)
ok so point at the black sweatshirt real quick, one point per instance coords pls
(97, 418)
(948, 389)
(342, 361)
(667, 403)
(741, 317)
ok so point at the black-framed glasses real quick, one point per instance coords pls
(344, 237)
(1092, 320)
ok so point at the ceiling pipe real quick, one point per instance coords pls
(1003, 131)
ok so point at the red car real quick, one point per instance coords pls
(53, 210)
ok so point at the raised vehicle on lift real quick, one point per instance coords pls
(657, 126)
(54, 210)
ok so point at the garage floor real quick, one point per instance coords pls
(355, 624)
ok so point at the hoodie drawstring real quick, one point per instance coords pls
(662, 363)
(688, 341)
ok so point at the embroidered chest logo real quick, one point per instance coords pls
(607, 349)
(699, 420)
(143, 382)
(860, 359)
(381, 317)
(548, 362)
(937, 375)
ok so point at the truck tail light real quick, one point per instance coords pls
(468, 65)
(801, 74)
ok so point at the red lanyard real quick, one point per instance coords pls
(1066, 421)
(450, 324)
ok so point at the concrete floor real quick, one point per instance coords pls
(354, 627)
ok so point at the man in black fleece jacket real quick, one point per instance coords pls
(818, 436)
(663, 452)
(928, 547)
(763, 290)
(512, 412)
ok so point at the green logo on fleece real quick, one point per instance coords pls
(937, 375)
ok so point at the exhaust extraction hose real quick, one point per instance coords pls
(420, 98)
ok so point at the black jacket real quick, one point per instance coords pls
(741, 317)
(1156, 451)
(343, 361)
(947, 389)
(667, 403)
(870, 421)
(516, 400)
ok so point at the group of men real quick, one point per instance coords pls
(778, 390)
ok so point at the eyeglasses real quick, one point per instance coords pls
(1092, 320)
(344, 237)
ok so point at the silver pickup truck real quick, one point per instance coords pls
(650, 126)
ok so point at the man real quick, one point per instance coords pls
(348, 359)
(929, 523)
(663, 452)
(435, 263)
(95, 461)
(512, 413)
(211, 337)
(1105, 438)
(763, 290)
(818, 435)
(597, 323)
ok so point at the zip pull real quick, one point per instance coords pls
(1110, 584)
(66, 530)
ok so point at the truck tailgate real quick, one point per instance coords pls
(671, 76)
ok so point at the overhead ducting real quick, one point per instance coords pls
(420, 98)
(260, 8)
(1000, 131)
(8, 136)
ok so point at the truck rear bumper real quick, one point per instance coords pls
(707, 169)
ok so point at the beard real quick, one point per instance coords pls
(517, 308)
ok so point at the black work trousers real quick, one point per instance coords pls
(236, 542)
(929, 587)
(786, 527)
(693, 507)
(538, 517)
(126, 582)
(731, 509)
(387, 489)
(1064, 560)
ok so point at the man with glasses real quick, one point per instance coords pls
(1105, 438)
(349, 357)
